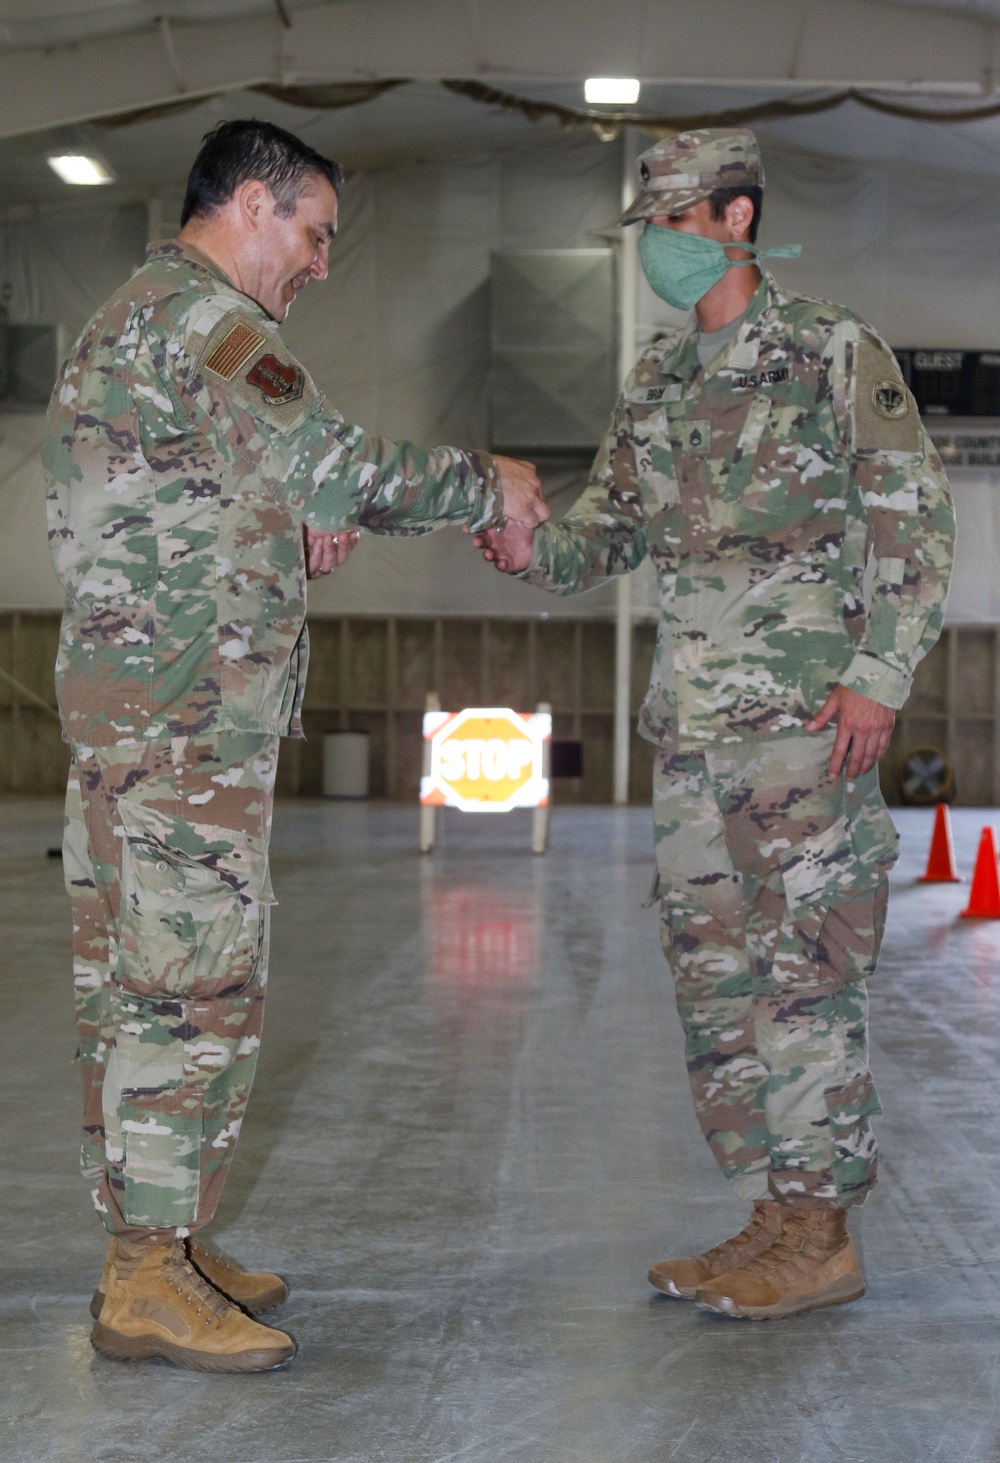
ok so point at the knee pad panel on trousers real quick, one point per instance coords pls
(172, 1076)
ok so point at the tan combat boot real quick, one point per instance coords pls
(158, 1306)
(254, 1290)
(681, 1278)
(810, 1265)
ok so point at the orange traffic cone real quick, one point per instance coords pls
(984, 896)
(941, 859)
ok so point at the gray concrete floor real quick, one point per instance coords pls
(470, 1135)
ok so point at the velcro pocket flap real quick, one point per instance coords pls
(239, 858)
(822, 865)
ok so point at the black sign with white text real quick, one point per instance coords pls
(952, 383)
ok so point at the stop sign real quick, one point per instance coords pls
(486, 760)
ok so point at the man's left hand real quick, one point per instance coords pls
(326, 551)
(864, 727)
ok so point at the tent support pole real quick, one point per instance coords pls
(627, 283)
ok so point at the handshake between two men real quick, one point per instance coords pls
(524, 509)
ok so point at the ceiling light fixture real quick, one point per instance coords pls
(81, 168)
(616, 91)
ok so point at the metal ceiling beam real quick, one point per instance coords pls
(782, 44)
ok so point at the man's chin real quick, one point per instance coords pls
(279, 309)
(288, 302)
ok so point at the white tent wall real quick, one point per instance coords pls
(57, 266)
(398, 337)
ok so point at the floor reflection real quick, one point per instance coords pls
(480, 938)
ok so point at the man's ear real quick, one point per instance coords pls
(251, 199)
(739, 217)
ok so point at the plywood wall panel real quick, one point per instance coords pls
(415, 663)
(930, 683)
(557, 680)
(380, 685)
(973, 760)
(974, 679)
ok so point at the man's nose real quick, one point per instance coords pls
(320, 267)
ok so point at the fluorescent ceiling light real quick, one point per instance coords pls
(619, 91)
(81, 168)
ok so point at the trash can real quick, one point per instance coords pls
(345, 764)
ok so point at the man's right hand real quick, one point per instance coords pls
(522, 492)
(509, 548)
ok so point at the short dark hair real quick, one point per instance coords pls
(720, 199)
(234, 152)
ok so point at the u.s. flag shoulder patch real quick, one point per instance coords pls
(234, 350)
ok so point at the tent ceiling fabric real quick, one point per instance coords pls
(423, 121)
(28, 23)
(791, 44)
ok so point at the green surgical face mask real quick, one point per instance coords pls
(682, 268)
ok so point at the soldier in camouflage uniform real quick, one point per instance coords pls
(759, 456)
(186, 452)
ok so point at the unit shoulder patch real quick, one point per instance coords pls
(259, 374)
(277, 381)
(889, 398)
(234, 350)
(885, 414)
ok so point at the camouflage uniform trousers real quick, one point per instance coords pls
(165, 859)
(773, 894)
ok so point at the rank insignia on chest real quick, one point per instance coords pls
(889, 399)
(697, 436)
(277, 381)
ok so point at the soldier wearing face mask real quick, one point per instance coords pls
(760, 456)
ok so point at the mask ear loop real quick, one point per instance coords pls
(779, 251)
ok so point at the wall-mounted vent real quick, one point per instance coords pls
(553, 348)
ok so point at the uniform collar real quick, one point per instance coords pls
(743, 350)
(174, 249)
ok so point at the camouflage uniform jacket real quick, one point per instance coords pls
(759, 487)
(185, 448)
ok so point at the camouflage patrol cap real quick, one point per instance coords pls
(682, 170)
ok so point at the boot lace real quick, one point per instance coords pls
(729, 1248)
(799, 1246)
(198, 1251)
(208, 1302)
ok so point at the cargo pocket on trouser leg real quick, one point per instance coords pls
(192, 919)
(188, 1007)
(813, 1021)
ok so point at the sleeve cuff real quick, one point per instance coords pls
(537, 572)
(873, 677)
(487, 506)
